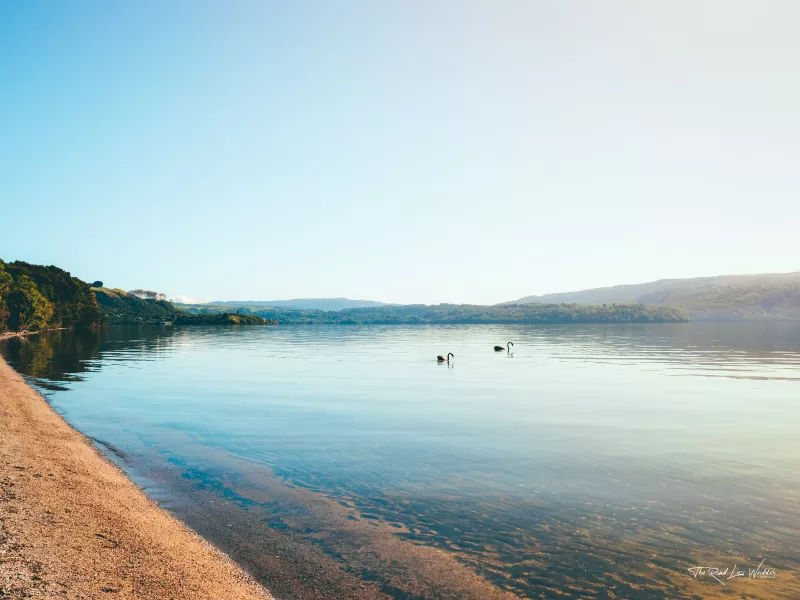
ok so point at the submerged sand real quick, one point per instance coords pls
(72, 525)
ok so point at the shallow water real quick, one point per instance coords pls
(345, 462)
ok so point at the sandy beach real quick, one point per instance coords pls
(72, 525)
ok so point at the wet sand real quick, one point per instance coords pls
(72, 525)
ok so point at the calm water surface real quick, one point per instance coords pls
(344, 462)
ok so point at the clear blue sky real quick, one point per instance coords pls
(404, 151)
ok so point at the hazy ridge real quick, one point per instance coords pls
(771, 296)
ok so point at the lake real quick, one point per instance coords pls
(345, 462)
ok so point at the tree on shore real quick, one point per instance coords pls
(5, 287)
(148, 295)
(29, 309)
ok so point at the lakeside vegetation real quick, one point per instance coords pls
(463, 314)
(183, 318)
(34, 297)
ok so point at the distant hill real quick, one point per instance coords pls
(773, 296)
(329, 304)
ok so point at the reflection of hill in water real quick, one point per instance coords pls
(58, 357)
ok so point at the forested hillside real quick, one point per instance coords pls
(130, 308)
(120, 307)
(34, 297)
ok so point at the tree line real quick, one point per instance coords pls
(414, 314)
(34, 297)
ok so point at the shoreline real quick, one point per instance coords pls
(5, 335)
(73, 525)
